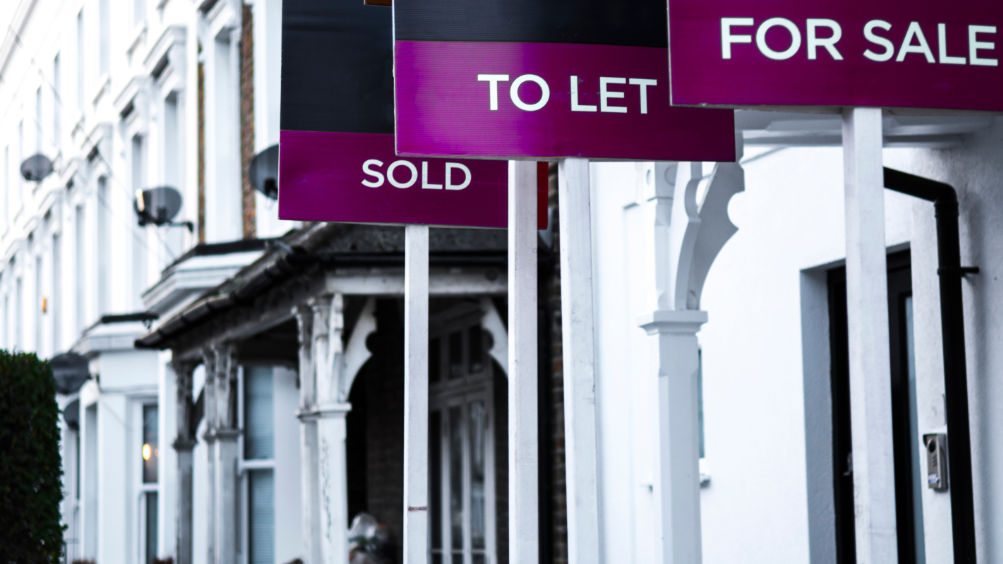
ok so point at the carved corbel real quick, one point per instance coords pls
(357, 352)
(209, 392)
(699, 230)
(183, 370)
(226, 388)
(304, 323)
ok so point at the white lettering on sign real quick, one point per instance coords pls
(374, 176)
(825, 34)
(613, 98)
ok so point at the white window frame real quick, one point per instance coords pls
(445, 394)
(143, 488)
(246, 466)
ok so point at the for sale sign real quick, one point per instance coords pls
(878, 53)
(562, 78)
(336, 151)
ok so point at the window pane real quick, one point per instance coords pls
(479, 559)
(261, 520)
(259, 427)
(150, 551)
(455, 478)
(150, 449)
(435, 477)
(478, 424)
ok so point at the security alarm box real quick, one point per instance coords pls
(936, 461)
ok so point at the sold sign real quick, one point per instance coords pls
(336, 147)
(880, 53)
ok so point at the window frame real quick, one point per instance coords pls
(444, 395)
(143, 488)
(246, 466)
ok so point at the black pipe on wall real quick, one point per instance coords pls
(952, 320)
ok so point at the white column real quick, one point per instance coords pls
(867, 316)
(209, 410)
(523, 453)
(415, 394)
(309, 468)
(225, 465)
(331, 454)
(581, 448)
(333, 484)
(678, 432)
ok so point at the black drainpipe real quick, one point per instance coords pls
(952, 322)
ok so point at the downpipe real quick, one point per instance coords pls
(952, 321)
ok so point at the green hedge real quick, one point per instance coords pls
(30, 487)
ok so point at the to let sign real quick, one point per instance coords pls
(563, 78)
(874, 53)
(336, 148)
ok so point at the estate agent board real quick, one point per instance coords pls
(876, 53)
(336, 152)
(562, 78)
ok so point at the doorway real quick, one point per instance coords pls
(905, 431)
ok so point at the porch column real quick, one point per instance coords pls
(687, 238)
(209, 407)
(225, 466)
(332, 478)
(309, 465)
(678, 432)
(183, 444)
(333, 474)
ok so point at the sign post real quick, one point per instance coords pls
(578, 333)
(867, 327)
(522, 362)
(518, 79)
(416, 393)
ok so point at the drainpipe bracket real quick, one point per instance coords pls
(961, 271)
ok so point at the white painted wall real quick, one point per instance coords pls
(790, 220)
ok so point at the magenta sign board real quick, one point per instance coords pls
(336, 144)
(877, 53)
(563, 78)
(356, 177)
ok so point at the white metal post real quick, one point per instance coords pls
(579, 362)
(415, 394)
(523, 454)
(867, 316)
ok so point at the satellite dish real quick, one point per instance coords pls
(71, 414)
(264, 172)
(157, 205)
(70, 371)
(36, 167)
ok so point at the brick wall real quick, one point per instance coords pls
(558, 486)
(201, 149)
(247, 118)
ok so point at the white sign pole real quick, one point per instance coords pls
(415, 394)
(580, 441)
(523, 453)
(867, 316)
